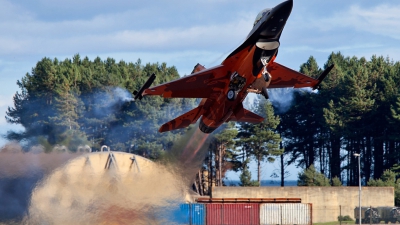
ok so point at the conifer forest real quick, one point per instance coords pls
(77, 102)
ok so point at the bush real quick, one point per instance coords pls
(344, 218)
(311, 177)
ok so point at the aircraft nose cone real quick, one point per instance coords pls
(283, 10)
(276, 20)
(285, 6)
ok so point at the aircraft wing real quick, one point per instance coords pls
(202, 84)
(285, 77)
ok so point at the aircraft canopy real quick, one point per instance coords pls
(261, 14)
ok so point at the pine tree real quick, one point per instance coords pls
(245, 176)
(330, 93)
(225, 156)
(62, 101)
(263, 140)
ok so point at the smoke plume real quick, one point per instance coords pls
(19, 174)
(282, 98)
(63, 188)
(187, 154)
(107, 188)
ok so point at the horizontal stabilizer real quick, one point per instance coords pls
(244, 115)
(183, 120)
(139, 94)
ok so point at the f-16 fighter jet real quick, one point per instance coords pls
(251, 68)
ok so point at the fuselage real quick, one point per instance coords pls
(248, 60)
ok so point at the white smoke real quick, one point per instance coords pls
(121, 94)
(282, 98)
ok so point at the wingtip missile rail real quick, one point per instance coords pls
(139, 94)
(323, 75)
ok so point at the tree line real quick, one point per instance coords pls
(356, 110)
(82, 102)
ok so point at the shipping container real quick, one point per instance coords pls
(193, 214)
(179, 215)
(285, 213)
(248, 200)
(233, 213)
(197, 214)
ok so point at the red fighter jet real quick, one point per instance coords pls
(249, 68)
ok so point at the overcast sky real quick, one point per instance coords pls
(183, 33)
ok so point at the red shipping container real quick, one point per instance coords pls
(233, 213)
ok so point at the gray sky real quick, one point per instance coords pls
(183, 33)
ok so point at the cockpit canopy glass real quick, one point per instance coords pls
(261, 14)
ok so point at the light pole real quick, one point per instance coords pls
(359, 185)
